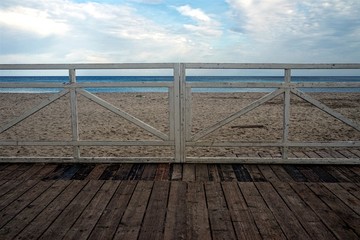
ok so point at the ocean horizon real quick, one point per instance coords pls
(250, 79)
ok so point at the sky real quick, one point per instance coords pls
(251, 31)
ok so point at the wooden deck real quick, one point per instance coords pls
(173, 201)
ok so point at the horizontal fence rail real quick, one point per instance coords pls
(180, 92)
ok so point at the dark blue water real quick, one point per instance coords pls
(253, 79)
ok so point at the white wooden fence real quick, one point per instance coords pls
(179, 92)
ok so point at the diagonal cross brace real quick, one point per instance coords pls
(238, 114)
(122, 114)
(326, 109)
(32, 111)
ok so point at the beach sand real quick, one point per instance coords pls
(53, 123)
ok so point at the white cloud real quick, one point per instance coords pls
(298, 29)
(32, 20)
(94, 32)
(266, 19)
(194, 13)
(34, 31)
(205, 25)
(148, 1)
(273, 18)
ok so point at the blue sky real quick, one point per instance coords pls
(82, 31)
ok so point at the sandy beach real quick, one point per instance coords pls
(96, 123)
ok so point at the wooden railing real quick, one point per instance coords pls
(180, 133)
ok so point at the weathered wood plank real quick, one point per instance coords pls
(323, 153)
(26, 216)
(3, 166)
(242, 173)
(337, 174)
(189, 172)
(334, 223)
(347, 153)
(356, 152)
(70, 214)
(33, 170)
(130, 224)
(268, 226)
(91, 214)
(162, 172)
(335, 153)
(70, 172)
(194, 209)
(281, 173)
(312, 154)
(294, 172)
(350, 200)
(300, 154)
(308, 173)
(227, 171)
(177, 172)
(123, 172)
(337, 206)
(255, 173)
(22, 201)
(136, 171)
(175, 223)
(149, 172)
(38, 225)
(106, 227)
(83, 172)
(348, 173)
(308, 219)
(197, 221)
(153, 223)
(288, 222)
(351, 188)
(109, 172)
(18, 172)
(15, 193)
(58, 172)
(324, 175)
(97, 172)
(13, 184)
(268, 173)
(213, 173)
(47, 169)
(240, 214)
(356, 169)
(220, 221)
(201, 172)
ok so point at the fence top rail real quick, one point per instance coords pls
(272, 65)
(87, 66)
(187, 65)
(273, 85)
(86, 85)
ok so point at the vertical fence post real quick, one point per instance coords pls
(286, 120)
(176, 107)
(179, 83)
(171, 106)
(182, 111)
(74, 115)
(188, 113)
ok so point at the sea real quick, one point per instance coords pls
(252, 79)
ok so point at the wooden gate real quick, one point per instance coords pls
(181, 135)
